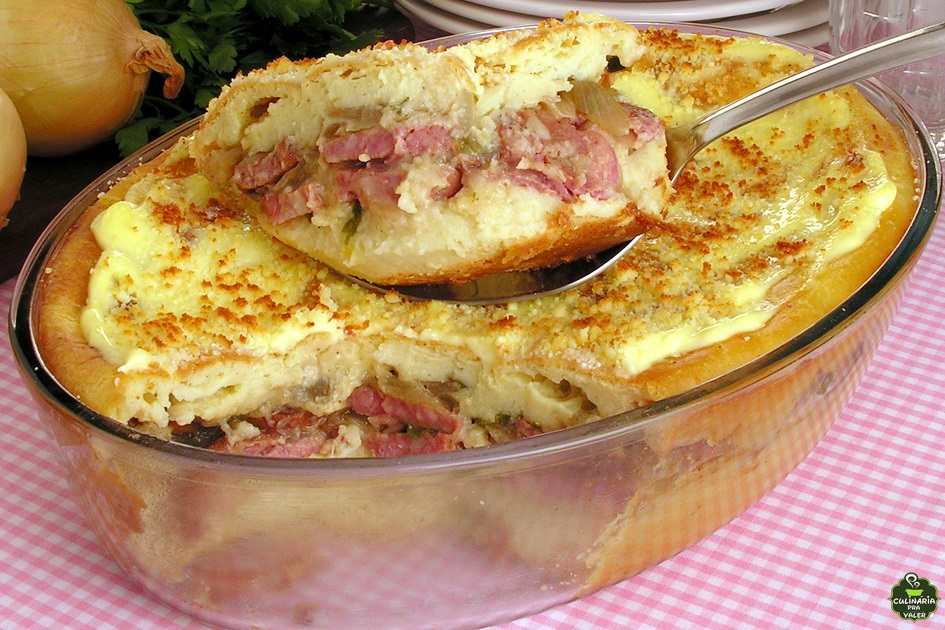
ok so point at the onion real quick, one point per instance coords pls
(602, 106)
(12, 156)
(76, 70)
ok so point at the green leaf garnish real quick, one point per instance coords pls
(351, 225)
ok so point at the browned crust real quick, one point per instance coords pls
(561, 242)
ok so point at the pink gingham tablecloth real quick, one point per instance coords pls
(823, 549)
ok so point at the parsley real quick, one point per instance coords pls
(215, 39)
(352, 224)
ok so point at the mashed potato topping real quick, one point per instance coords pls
(208, 318)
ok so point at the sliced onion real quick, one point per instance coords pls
(76, 70)
(12, 156)
(601, 106)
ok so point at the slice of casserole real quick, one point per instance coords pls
(402, 165)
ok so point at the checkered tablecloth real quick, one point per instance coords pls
(823, 549)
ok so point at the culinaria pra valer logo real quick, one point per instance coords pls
(914, 598)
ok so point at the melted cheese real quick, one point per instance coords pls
(181, 275)
(183, 280)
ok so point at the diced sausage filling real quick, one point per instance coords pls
(558, 151)
(390, 425)
(567, 157)
(372, 402)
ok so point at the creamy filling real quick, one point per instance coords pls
(566, 149)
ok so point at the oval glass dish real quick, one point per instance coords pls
(468, 538)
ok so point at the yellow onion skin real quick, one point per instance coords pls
(12, 156)
(76, 70)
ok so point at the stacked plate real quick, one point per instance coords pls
(801, 21)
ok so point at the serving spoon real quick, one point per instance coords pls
(682, 144)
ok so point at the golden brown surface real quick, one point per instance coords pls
(643, 332)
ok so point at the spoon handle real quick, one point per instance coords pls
(916, 45)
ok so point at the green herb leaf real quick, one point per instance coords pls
(136, 134)
(184, 41)
(222, 58)
(351, 225)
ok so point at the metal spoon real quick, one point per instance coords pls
(682, 144)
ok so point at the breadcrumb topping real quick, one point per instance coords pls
(187, 283)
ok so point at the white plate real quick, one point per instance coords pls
(811, 37)
(801, 16)
(456, 16)
(665, 11)
(485, 15)
(440, 19)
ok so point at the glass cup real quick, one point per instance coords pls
(856, 23)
